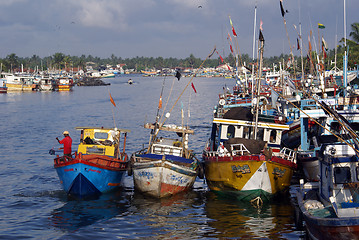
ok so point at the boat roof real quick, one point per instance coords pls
(170, 128)
(103, 128)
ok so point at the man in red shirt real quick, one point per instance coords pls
(67, 141)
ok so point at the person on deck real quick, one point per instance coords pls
(67, 142)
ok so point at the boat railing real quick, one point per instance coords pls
(166, 149)
(239, 149)
(288, 154)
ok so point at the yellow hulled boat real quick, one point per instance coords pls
(247, 168)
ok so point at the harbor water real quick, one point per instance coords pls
(34, 206)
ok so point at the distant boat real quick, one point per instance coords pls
(64, 84)
(3, 88)
(19, 82)
(98, 166)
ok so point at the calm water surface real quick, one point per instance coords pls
(33, 205)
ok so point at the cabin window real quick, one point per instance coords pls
(342, 175)
(273, 136)
(230, 131)
(247, 132)
(260, 134)
(101, 135)
(335, 127)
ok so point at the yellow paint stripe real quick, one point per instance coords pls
(248, 123)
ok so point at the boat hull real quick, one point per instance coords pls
(328, 227)
(18, 87)
(81, 178)
(248, 177)
(159, 177)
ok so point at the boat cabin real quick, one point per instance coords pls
(268, 132)
(101, 141)
(340, 175)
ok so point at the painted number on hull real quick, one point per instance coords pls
(145, 174)
(238, 169)
(178, 179)
(279, 172)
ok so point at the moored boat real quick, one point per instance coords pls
(64, 84)
(330, 207)
(3, 88)
(167, 166)
(248, 168)
(98, 166)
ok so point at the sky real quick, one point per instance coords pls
(166, 28)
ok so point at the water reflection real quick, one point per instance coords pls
(77, 214)
(235, 219)
(173, 217)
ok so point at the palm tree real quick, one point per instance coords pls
(355, 32)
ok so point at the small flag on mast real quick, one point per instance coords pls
(234, 32)
(178, 75)
(160, 103)
(111, 99)
(194, 89)
(321, 26)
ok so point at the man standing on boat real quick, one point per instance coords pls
(67, 141)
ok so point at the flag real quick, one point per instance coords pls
(219, 56)
(281, 8)
(321, 26)
(324, 44)
(230, 46)
(298, 46)
(261, 38)
(112, 101)
(160, 103)
(234, 32)
(194, 89)
(178, 75)
(210, 55)
(261, 25)
(229, 37)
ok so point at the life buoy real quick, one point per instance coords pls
(222, 102)
(320, 67)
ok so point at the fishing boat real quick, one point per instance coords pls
(330, 207)
(3, 88)
(19, 82)
(247, 168)
(64, 84)
(98, 166)
(167, 166)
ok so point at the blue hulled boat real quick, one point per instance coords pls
(97, 167)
